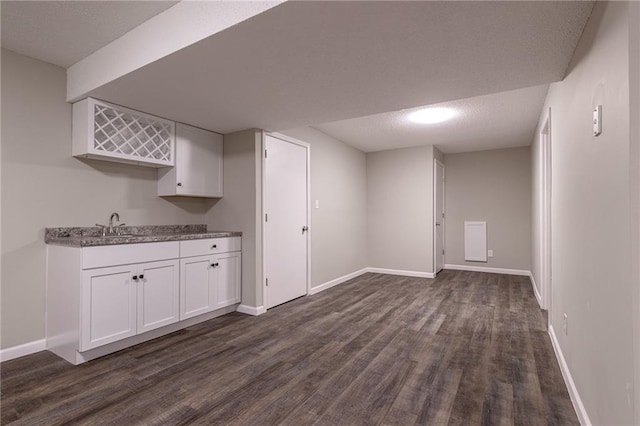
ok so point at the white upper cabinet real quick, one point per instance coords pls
(198, 165)
(114, 133)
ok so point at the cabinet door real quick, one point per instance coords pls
(108, 310)
(158, 294)
(199, 162)
(227, 278)
(196, 295)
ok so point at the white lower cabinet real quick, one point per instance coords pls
(209, 283)
(122, 301)
(158, 295)
(227, 278)
(105, 298)
(108, 305)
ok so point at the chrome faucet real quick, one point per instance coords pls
(111, 230)
(117, 216)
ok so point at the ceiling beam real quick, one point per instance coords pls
(172, 30)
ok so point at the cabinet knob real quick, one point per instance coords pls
(213, 265)
(135, 278)
(141, 276)
(179, 184)
(214, 246)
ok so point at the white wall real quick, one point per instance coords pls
(591, 217)
(492, 186)
(43, 186)
(338, 228)
(400, 209)
(240, 207)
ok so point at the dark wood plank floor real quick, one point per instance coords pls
(464, 349)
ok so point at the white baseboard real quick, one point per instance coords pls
(583, 417)
(251, 310)
(417, 274)
(22, 350)
(488, 269)
(336, 281)
(535, 290)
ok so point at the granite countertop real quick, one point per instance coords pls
(92, 236)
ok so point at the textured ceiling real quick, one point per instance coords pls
(499, 120)
(329, 63)
(63, 32)
(305, 63)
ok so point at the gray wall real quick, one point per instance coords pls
(400, 209)
(240, 208)
(43, 186)
(591, 217)
(338, 227)
(492, 186)
(634, 160)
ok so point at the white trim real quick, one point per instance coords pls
(251, 310)
(545, 211)
(583, 417)
(488, 269)
(437, 162)
(22, 350)
(535, 290)
(327, 285)
(417, 274)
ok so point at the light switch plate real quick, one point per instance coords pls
(597, 120)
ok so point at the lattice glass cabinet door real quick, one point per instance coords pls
(114, 133)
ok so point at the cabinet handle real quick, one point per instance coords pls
(179, 184)
(135, 278)
(213, 265)
(214, 246)
(141, 276)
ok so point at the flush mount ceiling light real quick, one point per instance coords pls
(432, 115)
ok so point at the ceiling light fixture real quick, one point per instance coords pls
(432, 115)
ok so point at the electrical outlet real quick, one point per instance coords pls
(490, 253)
(565, 324)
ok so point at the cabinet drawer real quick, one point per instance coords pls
(209, 246)
(125, 254)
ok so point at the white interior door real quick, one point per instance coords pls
(438, 202)
(285, 206)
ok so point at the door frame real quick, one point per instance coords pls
(307, 146)
(437, 162)
(545, 212)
